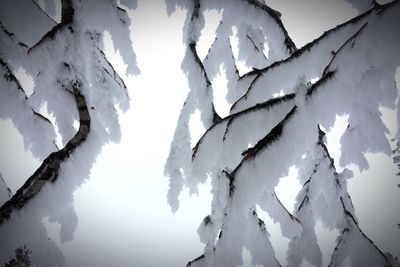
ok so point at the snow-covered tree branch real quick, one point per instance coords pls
(349, 70)
(74, 83)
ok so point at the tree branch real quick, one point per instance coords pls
(262, 228)
(352, 38)
(67, 14)
(200, 258)
(44, 12)
(312, 44)
(273, 135)
(341, 240)
(49, 169)
(258, 75)
(192, 46)
(216, 39)
(291, 216)
(299, 52)
(10, 77)
(265, 105)
(261, 145)
(255, 47)
(275, 15)
(115, 76)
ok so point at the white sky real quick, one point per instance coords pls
(124, 219)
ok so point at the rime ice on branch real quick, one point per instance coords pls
(75, 82)
(246, 153)
(256, 26)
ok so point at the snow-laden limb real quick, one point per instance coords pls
(67, 14)
(76, 83)
(275, 15)
(309, 61)
(199, 97)
(251, 45)
(26, 18)
(48, 172)
(258, 27)
(178, 162)
(305, 245)
(201, 85)
(227, 251)
(348, 70)
(362, 90)
(290, 225)
(49, 169)
(256, 19)
(324, 197)
(49, 8)
(353, 243)
(228, 247)
(199, 81)
(222, 145)
(221, 53)
(91, 14)
(14, 105)
(358, 91)
(252, 12)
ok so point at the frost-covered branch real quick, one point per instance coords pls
(67, 14)
(259, 28)
(327, 189)
(192, 47)
(69, 70)
(291, 47)
(109, 69)
(221, 46)
(334, 53)
(229, 120)
(271, 137)
(308, 61)
(246, 153)
(35, 2)
(26, 120)
(49, 169)
(206, 106)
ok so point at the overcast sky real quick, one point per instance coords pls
(124, 219)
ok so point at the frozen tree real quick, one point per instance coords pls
(76, 96)
(278, 111)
